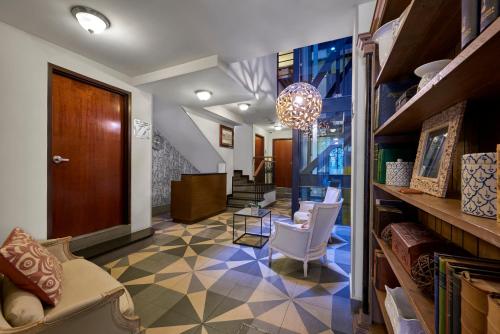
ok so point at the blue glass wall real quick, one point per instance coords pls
(322, 156)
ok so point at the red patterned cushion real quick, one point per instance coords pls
(31, 266)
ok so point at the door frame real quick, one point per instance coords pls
(291, 168)
(127, 143)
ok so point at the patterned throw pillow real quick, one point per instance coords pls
(31, 267)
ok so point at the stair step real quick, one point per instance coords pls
(236, 201)
(246, 195)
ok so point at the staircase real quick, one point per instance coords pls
(246, 191)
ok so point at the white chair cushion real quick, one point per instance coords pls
(301, 217)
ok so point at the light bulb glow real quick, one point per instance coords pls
(243, 106)
(203, 95)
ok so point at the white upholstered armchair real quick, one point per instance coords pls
(305, 244)
(303, 215)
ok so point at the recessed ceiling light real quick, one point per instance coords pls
(203, 95)
(90, 19)
(277, 127)
(244, 106)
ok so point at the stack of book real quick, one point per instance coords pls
(462, 289)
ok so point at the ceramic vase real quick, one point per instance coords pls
(479, 181)
(398, 173)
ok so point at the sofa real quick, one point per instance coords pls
(92, 301)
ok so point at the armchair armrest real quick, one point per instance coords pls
(60, 248)
(306, 206)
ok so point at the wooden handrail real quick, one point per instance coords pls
(257, 171)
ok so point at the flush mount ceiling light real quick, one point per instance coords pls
(203, 95)
(244, 106)
(299, 105)
(277, 127)
(90, 19)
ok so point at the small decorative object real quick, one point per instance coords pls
(470, 21)
(428, 71)
(385, 215)
(386, 234)
(410, 191)
(299, 105)
(400, 312)
(142, 129)
(498, 183)
(254, 208)
(157, 142)
(407, 95)
(479, 183)
(411, 240)
(422, 272)
(398, 173)
(384, 37)
(436, 149)
(226, 136)
(489, 12)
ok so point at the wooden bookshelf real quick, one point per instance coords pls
(386, 11)
(380, 295)
(469, 75)
(429, 31)
(422, 304)
(450, 211)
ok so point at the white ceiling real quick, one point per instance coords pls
(148, 35)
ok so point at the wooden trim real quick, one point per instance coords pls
(127, 120)
(223, 127)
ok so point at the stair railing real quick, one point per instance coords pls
(263, 175)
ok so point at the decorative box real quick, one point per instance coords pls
(382, 272)
(400, 312)
(385, 215)
(410, 240)
(479, 184)
(398, 173)
(408, 94)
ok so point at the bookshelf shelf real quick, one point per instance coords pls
(467, 76)
(430, 29)
(449, 210)
(380, 295)
(422, 304)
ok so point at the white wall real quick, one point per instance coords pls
(282, 134)
(210, 130)
(243, 143)
(23, 131)
(362, 22)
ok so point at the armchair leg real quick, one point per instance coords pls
(305, 268)
(270, 255)
(324, 259)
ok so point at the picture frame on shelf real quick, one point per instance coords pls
(436, 149)
(226, 136)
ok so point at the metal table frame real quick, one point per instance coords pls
(261, 235)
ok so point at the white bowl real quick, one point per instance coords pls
(428, 71)
(384, 37)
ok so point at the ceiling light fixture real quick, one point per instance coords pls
(278, 127)
(90, 19)
(203, 95)
(299, 105)
(244, 106)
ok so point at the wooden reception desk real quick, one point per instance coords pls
(198, 196)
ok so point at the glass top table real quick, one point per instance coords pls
(253, 234)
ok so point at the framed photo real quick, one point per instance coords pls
(226, 136)
(436, 149)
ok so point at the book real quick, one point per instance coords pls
(489, 12)
(470, 21)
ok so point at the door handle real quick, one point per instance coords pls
(58, 159)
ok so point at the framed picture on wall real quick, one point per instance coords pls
(226, 136)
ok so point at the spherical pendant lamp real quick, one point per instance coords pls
(299, 105)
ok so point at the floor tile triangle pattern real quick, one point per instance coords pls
(193, 279)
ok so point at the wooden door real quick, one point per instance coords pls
(88, 126)
(282, 155)
(259, 157)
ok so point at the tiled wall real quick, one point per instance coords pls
(168, 165)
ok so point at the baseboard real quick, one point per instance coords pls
(98, 237)
(158, 210)
(110, 245)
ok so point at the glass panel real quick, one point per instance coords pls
(325, 151)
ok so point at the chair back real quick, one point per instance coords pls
(323, 218)
(332, 195)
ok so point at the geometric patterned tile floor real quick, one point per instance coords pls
(193, 279)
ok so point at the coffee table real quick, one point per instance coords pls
(252, 239)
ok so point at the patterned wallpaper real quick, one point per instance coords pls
(168, 165)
